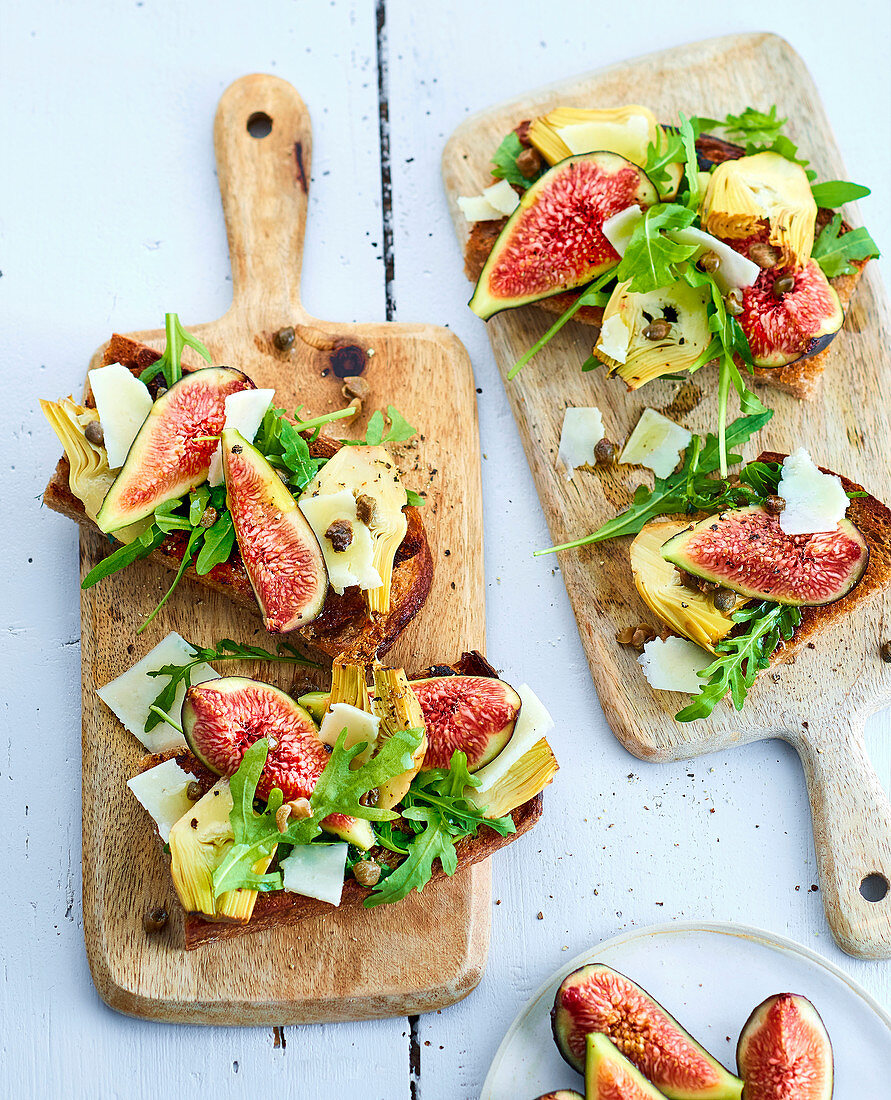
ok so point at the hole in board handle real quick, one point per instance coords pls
(874, 887)
(259, 125)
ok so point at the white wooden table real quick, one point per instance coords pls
(110, 216)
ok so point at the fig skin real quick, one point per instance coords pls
(597, 998)
(793, 1044)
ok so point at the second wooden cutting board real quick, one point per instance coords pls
(820, 703)
(429, 950)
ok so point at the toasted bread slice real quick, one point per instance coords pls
(344, 626)
(873, 520)
(281, 907)
(800, 378)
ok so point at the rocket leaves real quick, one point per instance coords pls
(170, 363)
(437, 815)
(834, 250)
(337, 791)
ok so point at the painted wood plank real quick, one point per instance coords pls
(107, 236)
(641, 835)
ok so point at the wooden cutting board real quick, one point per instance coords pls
(430, 950)
(820, 703)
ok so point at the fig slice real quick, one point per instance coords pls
(562, 1094)
(597, 999)
(172, 451)
(785, 326)
(554, 239)
(784, 1052)
(610, 1076)
(745, 550)
(281, 554)
(222, 718)
(475, 714)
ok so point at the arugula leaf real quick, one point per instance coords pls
(671, 150)
(170, 363)
(651, 258)
(834, 193)
(219, 541)
(833, 249)
(673, 494)
(125, 555)
(414, 499)
(436, 810)
(741, 657)
(224, 650)
(757, 127)
(399, 431)
(285, 448)
(688, 134)
(338, 790)
(504, 162)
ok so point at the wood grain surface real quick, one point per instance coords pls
(430, 950)
(820, 702)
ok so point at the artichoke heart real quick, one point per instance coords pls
(89, 476)
(198, 842)
(764, 190)
(524, 779)
(628, 131)
(398, 708)
(372, 477)
(684, 610)
(627, 352)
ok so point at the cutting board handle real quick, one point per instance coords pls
(263, 142)
(852, 836)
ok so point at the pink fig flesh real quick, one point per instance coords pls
(746, 550)
(597, 999)
(280, 552)
(475, 714)
(784, 1052)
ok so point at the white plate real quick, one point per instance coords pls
(710, 977)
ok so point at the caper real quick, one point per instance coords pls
(775, 505)
(709, 262)
(284, 338)
(733, 302)
(366, 506)
(208, 517)
(355, 386)
(764, 255)
(94, 433)
(724, 600)
(885, 651)
(340, 535)
(657, 330)
(783, 285)
(605, 452)
(367, 872)
(193, 791)
(155, 920)
(529, 162)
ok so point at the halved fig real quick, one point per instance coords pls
(644, 336)
(475, 714)
(281, 554)
(784, 1052)
(171, 453)
(554, 240)
(562, 1094)
(597, 999)
(790, 314)
(222, 718)
(610, 1076)
(745, 550)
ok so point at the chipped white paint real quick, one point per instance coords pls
(112, 214)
